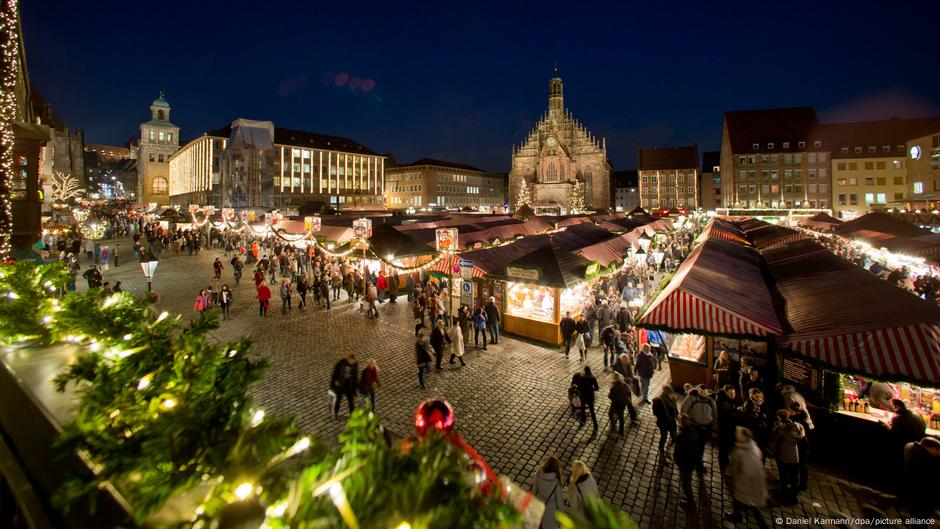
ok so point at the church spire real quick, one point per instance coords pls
(556, 96)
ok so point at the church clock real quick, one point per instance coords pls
(551, 141)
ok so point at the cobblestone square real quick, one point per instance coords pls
(510, 400)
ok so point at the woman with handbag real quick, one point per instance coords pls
(549, 490)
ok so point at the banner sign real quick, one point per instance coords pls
(311, 223)
(446, 239)
(362, 228)
(228, 213)
(523, 274)
(208, 210)
(193, 208)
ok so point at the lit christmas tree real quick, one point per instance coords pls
(523, 198)
(576, 197)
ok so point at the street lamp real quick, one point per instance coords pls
(149, 268)
(658, 257)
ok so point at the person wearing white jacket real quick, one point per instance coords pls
(581, 486)
(550, 491)
(457, 347)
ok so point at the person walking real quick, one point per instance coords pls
(493, 319)
(608, 342)
(726, 405)
(619, 396)
(550, 491)
(479, 327)
(746, 479)
(215, 285)
(799, 416)
(785, 438)
(217, 267)
(372, 296)
(392, 288)
(203, 302)
(581, 344)
(645, 366)
(225, 300)
(687, 457)
(457, 346)
(666, 413)
(116, 253)
(343, 382)
(369, 381)
(439, 337)
(264, 298)
(423, 356)
(337, 283)
(302, 292)
(325, 290)
(463, 321)
(701, 413)
(286, 293)
(567, 326)
(581, 486)
(587, 385)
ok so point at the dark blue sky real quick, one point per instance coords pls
(467, 81)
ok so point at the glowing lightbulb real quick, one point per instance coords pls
(244, 490)
(257, 418)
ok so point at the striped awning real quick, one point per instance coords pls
(684, 311)
(910, 352)
(446, 264)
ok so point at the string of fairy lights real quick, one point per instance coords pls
(9, 73)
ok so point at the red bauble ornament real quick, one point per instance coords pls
(436, 413)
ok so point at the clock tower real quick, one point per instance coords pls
(556, 154)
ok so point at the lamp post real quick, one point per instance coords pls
(150, 269)
(658, 258)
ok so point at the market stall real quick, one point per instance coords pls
(539, 287)
(718, 291)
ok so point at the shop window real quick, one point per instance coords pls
(918, 187)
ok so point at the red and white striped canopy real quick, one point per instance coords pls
(446, 264)
(910, 352)
(682, 310)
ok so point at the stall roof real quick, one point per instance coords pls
(386, 240)
(877, 221)
(557, 267)
(719, 289)
(610, 250)
(821, 220)
(770, 235)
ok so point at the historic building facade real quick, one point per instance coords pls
(558, 152)
(429, 183)
(710, 182)
(159, 140)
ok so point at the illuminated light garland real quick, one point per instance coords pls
(93, 231)
(9, 66)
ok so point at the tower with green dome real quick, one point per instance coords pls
(159, 140)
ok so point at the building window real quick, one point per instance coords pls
(755, 146)
(882, 198)
(159, 186)
(869, 181)
(853, 199)
(886, 148)
(160, 114)
(162, 136)
(169, 137)
(869, 166)
(899, 196)
(869, 198)
(880, 181)
(872, 149)
(899, 180)
(770, 146)
(160, 158)
(152, 158)
(840, 166)
(844, 150)
(153, 135)
(817, 144)
(842, 199)
(853, 166)
(880, 165)
(786, 145)
(801, 144)
(918, 187)
(896, 164)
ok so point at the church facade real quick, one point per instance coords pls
(555, 155)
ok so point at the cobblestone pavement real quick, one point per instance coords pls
(510, 401)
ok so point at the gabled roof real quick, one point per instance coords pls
(557, 267)
(443, 163)
(685, 157)
(300, 138)
(774, 125)
(877, 134)
(877, 221)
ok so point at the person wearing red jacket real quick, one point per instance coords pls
(382, 284)
(264, 295)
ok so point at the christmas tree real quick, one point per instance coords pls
(523, 198)
(576, 197)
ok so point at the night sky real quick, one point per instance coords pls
(468, 81)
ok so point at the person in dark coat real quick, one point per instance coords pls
(609, 342)
(687, 457)
(799, 415)
(587, 385)
(492, 319)
(752, 416)
(645, 366)
(921, 467)
(623, 321)
(422, 355)
(589, 315)
(438, 338)
(727, 409)
(619, 396)
(567, 326)
(343, 382)
(666, 413)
